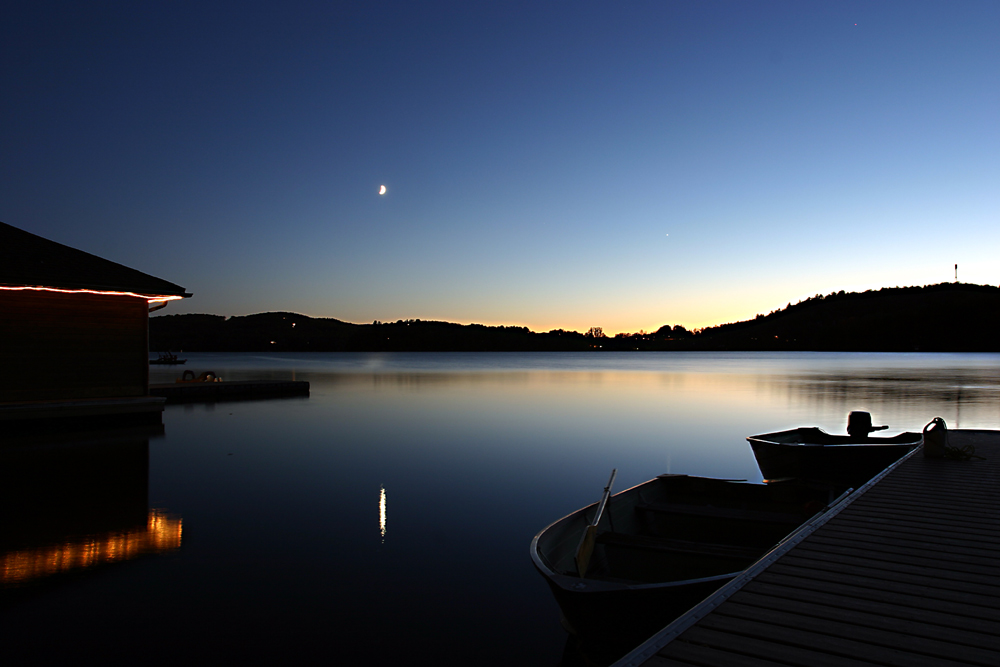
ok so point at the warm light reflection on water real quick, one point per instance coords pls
(381, 512)
(162, 533)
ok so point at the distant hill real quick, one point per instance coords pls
(949, 317)
(300, 333)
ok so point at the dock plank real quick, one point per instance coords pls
(980, 525)
(851, 642)
(918, 541)
(700, 654)
(880, 511)
(881, 501)
(905, 629)
(924, 569)
(961, 562)
(960, 503)
(196, 392)
(757, 647)
(907, 572)
(928, 614)
(929, 589)
(843, 585)
(979, 537)
(659, 661)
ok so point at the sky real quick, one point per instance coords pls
(547, 164)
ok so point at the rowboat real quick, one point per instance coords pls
(168, 358)
(629, 564)
(814, 454)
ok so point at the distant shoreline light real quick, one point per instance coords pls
(148, 298)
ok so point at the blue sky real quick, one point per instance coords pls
(547, 164)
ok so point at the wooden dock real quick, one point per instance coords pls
(906, 571)
(207, 392)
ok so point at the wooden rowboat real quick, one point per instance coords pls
(626, 566)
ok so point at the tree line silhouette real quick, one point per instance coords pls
(948, 317)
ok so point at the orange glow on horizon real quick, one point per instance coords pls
(149, 299)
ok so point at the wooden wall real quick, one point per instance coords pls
(64, 346)
(50, 495)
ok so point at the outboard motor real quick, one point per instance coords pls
(859, 425)
(936, 439)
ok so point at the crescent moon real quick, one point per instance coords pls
(381, 190)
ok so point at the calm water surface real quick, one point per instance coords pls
(387, 517)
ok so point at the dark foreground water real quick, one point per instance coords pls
(386, 518)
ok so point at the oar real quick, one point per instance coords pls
(587, 542)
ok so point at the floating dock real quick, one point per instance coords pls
(905, 571)
(197, 392)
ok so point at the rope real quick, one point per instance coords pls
(965, 453)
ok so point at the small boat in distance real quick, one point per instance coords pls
(626, 566)
(815, 455)
(168, 358)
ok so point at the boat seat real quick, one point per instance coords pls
(679, 546)
(756, 516)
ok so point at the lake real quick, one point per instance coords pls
(387, 516)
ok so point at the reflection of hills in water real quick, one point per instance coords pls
(969, 393)
(972, 386)
(72, 501)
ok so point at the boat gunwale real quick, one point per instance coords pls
(572, 584)
(770, 439)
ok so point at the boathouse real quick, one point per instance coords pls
(73, 330)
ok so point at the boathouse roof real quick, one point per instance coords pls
(29, 261)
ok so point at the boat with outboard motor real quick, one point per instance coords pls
(814, 454)
(167, 358)
(632, 562)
